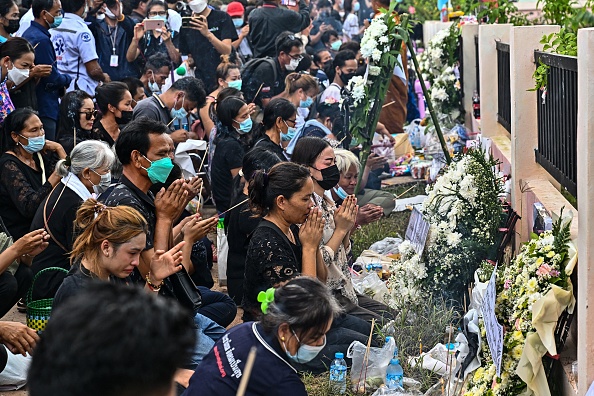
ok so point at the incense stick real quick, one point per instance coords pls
(170, 122)
(247, 371)
(366, 359)
(233, 207)
(449, 359)
(405, 192)
(388, 104)
(257, 92)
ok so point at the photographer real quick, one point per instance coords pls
(206, 36)
(149, 41)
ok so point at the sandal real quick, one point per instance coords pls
(22, 306)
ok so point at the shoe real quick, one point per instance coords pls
(22, 306)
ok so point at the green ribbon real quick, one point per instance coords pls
(266, 298)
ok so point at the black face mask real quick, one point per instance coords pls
(330, 177)
(13, 26)
(125, 118)
(346, 77)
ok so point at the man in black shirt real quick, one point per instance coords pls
(138, 9)
(209, 36)
(289, 51)
(270, 20)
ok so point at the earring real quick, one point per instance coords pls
(283, 339)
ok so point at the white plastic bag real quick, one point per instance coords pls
(222, 253)
(371, 285)
(14, 375)
(374, 373)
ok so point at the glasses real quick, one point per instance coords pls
(89, 114)
(297, 57)
(293, 122)
(157, 13)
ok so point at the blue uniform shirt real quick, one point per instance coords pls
(48, 88)
(107, 39)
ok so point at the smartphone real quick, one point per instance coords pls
(291, 3)
(153, 24)
(186, 20)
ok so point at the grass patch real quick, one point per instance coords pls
(392, 226)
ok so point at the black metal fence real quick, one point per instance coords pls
(557, 119)
(476, 51)
(503, 86)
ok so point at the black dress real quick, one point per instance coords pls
(271, 259)
(21, 192)
(60, 221)
(239, 225)
(228, 155)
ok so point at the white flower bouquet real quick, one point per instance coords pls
(406, 275)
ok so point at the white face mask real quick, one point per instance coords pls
(111, 15)
(292, 65)
(18, 76)
(100, 17)
(198, 5)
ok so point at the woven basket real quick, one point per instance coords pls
(38, 311)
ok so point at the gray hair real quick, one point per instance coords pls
(293, 305)
(345, 159)
(91, 154)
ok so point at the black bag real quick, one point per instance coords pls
(250, 88)
(185, 290)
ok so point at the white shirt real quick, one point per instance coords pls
(75, 45)
(351, 26)
(24, 23)
(333, 91)
(174, 19)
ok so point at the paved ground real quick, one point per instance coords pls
(15, 316)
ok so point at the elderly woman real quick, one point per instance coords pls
(318, 155)
(292, 332)
(372, 203)
(85, 174)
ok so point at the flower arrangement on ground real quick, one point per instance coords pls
(439, 65)
(536, 284)
(380, 46)
(406, 275)
(464, 212)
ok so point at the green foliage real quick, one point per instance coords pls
(556, 12)
(562, 43)
(425, 10)
(503, 11)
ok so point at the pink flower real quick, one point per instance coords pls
(517, 324)
(507, 284)
(544, 271)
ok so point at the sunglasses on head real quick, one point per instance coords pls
(89, 114)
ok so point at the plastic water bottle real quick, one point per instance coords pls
(338, 373)
(394, 375)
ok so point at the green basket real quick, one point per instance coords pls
(38, 311)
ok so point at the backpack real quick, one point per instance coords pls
(249, 89)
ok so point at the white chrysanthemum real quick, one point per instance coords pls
(374, 70)
(439, 94)
(454, 239)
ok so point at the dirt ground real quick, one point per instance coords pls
(15, 316)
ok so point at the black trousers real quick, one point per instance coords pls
(14, 287)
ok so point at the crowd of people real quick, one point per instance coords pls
(98, 98)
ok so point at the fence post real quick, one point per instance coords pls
(524, 126)
(488, 34)
(585, 192)
(430, 29)
(469, 71)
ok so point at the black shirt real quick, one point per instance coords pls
(21, 192)
(67, 140)
(221, 370)
(205, 55)
(266, 143)
(126, 193)
(120, 37)
(239, 224)
(271, 259)
(269, 21)
(102, 134)
(150, 45)
(60, 221)
(228, 155)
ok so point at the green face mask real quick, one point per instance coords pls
(159, 170)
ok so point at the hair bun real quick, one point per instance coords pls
(68, 161)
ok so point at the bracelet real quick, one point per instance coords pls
(152, 286)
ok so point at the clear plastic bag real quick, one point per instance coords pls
(373, 374)
(371, 285)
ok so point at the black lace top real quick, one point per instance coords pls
(21, 192)
(271, 259)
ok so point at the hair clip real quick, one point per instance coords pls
(67, 161)
(265, 178)
(265, 298)
(99, 207)
(240, 173)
